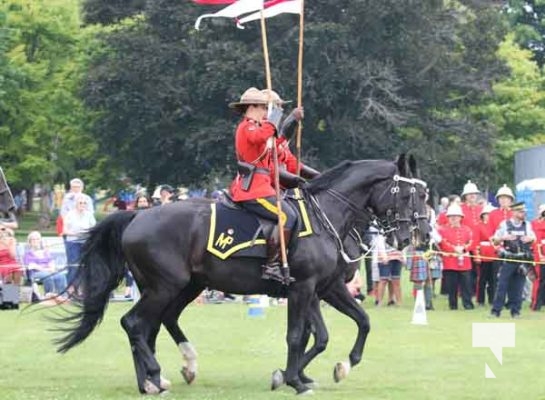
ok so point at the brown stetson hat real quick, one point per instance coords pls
(274, 97)
(252, 96)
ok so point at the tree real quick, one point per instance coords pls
(110, 11)
(44, 127)
(528, 21)
(516, 109)
(380, 77)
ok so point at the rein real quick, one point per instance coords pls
(328, 225)
(364, 213)
(361, 215)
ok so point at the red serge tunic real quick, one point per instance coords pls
(442, 219)
(472, 218)
(497, 216)
(251, 147)
(285, 156)
(452, 237)
(539, 228)
(483, 243)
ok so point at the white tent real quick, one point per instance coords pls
(532, 184)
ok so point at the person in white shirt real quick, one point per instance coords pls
(76, 223)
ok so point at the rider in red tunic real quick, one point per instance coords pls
(253, 185)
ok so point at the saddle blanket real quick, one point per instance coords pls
(234, 232)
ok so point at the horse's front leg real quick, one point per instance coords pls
(341, 299)
(299, 299)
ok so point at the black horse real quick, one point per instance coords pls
(335, 293)
(166, 250)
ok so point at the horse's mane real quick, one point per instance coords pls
(381, 168)
(325, 179)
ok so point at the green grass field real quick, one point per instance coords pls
(237, 355)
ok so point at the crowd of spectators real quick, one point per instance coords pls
(471, 253)
(477, 250)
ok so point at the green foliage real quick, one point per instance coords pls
(110, 11)
(44, 123)
(422, 362)
(517, 109)
(374, 72)
(528, 21)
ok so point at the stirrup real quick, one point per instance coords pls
(274, 272)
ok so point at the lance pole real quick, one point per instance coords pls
(300, 83)
(285, 268)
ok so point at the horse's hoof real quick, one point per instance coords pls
(164, 383)
(312, 384)
(150, 387)
(277, 379)
(306, 392)
(308, 381)
(189, 376)
(341, 371)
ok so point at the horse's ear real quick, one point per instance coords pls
(401, 162)
(412, 167)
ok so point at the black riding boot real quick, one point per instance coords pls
(273, 269)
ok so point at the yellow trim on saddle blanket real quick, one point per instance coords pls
(215, 246)
(306, 229)
(224, 239)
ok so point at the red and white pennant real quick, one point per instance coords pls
(239, 8)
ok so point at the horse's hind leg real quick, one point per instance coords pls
(145, 364)
(170, 321)
(165, 384)
(141, 324)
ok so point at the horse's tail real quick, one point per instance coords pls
(102, 268)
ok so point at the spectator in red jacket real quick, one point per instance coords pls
(472, 218)
(505, 199)
(456, 242)
(485, 254)
(442, 217)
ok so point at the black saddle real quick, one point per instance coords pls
(236, 232)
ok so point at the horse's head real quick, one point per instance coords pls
(391, 199)
(399, 202)
(384, 190)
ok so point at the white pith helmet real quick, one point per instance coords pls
(505, 191)
(487, 209)
(470, 188)
(453, 210)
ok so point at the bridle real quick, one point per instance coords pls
(417, 217)
(391, 223)
(393, 220)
